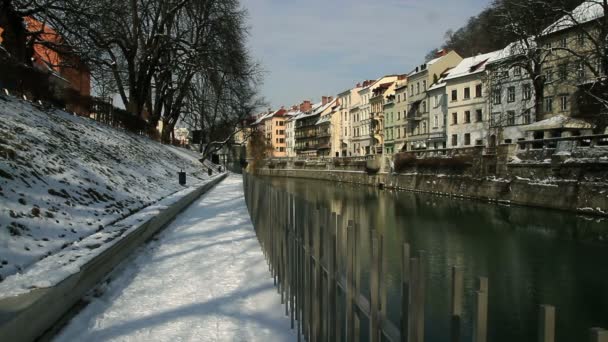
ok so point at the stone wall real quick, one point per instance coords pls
(576, 196)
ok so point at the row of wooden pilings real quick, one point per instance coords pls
(322, 297)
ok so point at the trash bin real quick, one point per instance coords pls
(182, 177)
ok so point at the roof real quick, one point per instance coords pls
(584, 13)
(324, 119)
(559, 122)
(517, 48)
(471, 66)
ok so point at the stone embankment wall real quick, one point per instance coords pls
(580, 196)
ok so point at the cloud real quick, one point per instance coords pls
(321, 47)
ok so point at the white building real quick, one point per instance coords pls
(467, 96)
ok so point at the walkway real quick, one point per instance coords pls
(205, 279)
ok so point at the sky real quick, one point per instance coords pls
(311, 48)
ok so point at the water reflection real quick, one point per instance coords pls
(531, 256)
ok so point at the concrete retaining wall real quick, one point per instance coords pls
(27, 317)
(583, 197)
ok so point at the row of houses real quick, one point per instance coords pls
(453, 102)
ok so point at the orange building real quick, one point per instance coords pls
(66, 65)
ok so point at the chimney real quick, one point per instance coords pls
(441, 52)
(326, 99)
(294, 108)
(306, 106)
(402, 77)
(358, 85)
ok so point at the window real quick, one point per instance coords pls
(510, 118)
(548, 45)
(478, 90)
(527, 92)
(580, 71)
(563, 103)
(527, 117)
(398, 115)
(497, 96)
(479, 142)
(418, 88)
(511, 94)
(467, 139)
(517, 71)
(467, 116)
(563, 71)
(436, 101)
(411, 90)
(398, 98)
(549, 75)
(467, 93)
(580, 39)
(495, 117)
(424, 85)
(563, 42)
(436, 121)
(548, 104)
(454, 118)
(479, 115)
(454, 95)
(423, 106)
(454, 139)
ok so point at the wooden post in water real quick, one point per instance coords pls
(546, 327)
(382, 282)
(456, 304)
(374, 330)
(357, 282)
(598, 335)
(339, 321)
(350, 321)
(480, 323)
(413, 304)
(405, 290)
(332, 303)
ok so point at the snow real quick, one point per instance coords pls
(205, 279)
(587, 11)
(466, 66)
(64, 178)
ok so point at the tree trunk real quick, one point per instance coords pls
(14, 35)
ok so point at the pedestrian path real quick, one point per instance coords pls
(204, 279)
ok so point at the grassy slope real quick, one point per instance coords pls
(63, 178)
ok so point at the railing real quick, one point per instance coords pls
(321, 289)
(551, 143)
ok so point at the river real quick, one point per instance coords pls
(531, 256)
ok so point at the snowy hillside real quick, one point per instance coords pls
(63, 178)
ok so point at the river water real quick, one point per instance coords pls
(531, 256)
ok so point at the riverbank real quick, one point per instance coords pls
(570, 195)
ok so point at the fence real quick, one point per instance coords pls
(320, 283)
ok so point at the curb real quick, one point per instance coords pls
(27, 317)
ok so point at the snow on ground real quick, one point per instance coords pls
(63, 178)
(205, 279)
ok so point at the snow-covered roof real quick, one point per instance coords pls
(471, 66)
(323, 119)
(584, 13)
(514, 49)
(559, 122)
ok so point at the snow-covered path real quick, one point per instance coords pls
(205, 279)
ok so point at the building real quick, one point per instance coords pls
(381, 94)
(363, 137)
(400, 110)
(348, 100)
(419, 80)
(438, 111)
(324, 129)
(306, 131)
(69, 70)
(573, 67)
(512, 102)
(290, 139)
(466, 89)
(389, 125)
